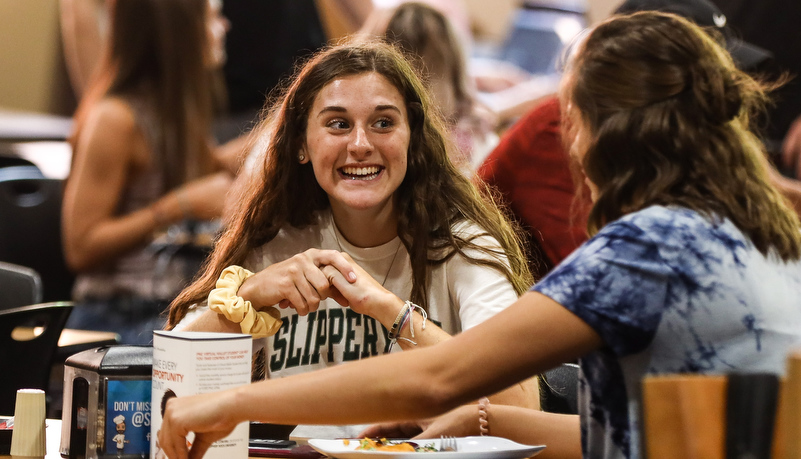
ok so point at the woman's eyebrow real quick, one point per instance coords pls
(340, 109)
(332, 108)
(379, 108)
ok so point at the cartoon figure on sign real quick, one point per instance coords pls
(119, 421)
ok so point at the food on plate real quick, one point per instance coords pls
(382, 444)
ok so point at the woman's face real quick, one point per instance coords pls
(357, 140)
(217, 27)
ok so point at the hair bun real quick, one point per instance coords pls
(717, 95)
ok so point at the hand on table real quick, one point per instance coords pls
(299, 282)
(460, 422)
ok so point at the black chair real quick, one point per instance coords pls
(559, 389)
(29, 339)
(10, 158)
(13, 161)
(19, 286)
(30, 228)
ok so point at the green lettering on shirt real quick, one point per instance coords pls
(320, 337)
(293, 359)
(336, 325)
(309, 329)
(278, 354)
(370, 337)
(351, 350)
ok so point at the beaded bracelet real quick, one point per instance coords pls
(406, 314)
(483, 416)
(225, 301)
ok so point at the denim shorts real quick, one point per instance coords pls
(134, 319)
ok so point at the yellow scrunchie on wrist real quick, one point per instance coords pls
(224, 300)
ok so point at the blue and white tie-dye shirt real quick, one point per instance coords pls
(670, 291)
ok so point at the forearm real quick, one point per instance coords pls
(560, 432)
(423, 337)
(210, 321)
(231, 155)
(525, 394)
(390, 394)
(106, 240)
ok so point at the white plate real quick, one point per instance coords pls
(468, 448)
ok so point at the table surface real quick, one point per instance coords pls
(53, 433)
(69, 337)
(23, 126)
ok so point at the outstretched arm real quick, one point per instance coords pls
(529, 337)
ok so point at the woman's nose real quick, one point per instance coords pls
(360, 144)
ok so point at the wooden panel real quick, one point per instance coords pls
(685, 416)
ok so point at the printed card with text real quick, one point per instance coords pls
(189, 363)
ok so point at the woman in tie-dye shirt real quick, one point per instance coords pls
(693, 266)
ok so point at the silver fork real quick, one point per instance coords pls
(447, 443)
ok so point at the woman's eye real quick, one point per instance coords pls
(383, 123)
(337, 124)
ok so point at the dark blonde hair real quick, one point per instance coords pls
(432, 197)
(156, 54)
(668, 116)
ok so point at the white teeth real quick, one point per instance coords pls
(360, 170)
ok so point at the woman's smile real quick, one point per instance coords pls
(360, 172)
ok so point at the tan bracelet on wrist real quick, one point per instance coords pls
(225, 301)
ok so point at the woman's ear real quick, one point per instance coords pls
(303, 158)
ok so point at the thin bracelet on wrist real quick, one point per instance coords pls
(406, 314)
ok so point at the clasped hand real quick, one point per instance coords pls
(304, 280)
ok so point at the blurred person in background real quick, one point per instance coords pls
(532, 172)
(144, 168)
(771, 24)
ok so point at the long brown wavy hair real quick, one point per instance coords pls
(432, 197)
(156, 54)
(668, 116)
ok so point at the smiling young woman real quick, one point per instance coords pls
(357, 176)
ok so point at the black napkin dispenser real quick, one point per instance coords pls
(106, 410)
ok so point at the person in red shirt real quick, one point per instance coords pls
(539, 188)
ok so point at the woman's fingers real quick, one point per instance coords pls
(339, 260)
(203, 442)
(299, 281)
(171, 439)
